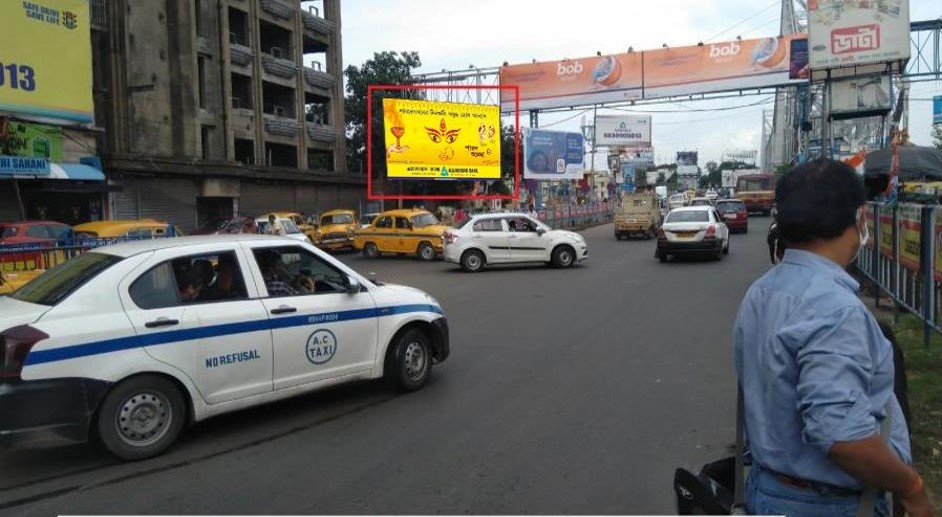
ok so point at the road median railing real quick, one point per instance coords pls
(903, 259)
(577, 216)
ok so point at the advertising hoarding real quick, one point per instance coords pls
(857, 32)
(861, 94)
(638, 156)
(29, 140)
(686, 158)
(47, 60)
(441, 140)
(623, 130)
(799, 67)
(937, 109)
(573, 82)
(753, 63)
(552, 155)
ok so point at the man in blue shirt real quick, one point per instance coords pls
(815, 369)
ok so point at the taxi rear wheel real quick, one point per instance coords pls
(409, 361)
(425, 251)
(141, 417)
(370, 250)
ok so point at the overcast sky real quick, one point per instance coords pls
(453, 35)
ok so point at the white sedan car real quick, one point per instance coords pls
(692, 230)
(506, 238)
(129, 343)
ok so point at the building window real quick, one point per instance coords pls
(242, 92)
(320, 160)
(244, 151)
(198, 17)
(275, 41)
(316, 109)
(279, 100)
(206, 135)
(238, 27)
(280, 155)
(201, 80)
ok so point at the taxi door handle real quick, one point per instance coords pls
(284, 310)
(161, 322)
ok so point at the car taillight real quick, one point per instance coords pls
(450, 238)
(15, 344)
(711, 231)
(742, 213)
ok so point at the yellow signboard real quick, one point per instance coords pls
(441, 140)
(46, 60)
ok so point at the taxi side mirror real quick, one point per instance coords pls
(353, 285)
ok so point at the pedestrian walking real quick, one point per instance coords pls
(816, 372)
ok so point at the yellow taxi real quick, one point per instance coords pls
(12, 280)
(402, 231)
(309, 230)
(141, 229)
(337, 229)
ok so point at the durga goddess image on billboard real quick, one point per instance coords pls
(441, 140)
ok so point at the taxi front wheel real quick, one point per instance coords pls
(409, 361)
(141, 417)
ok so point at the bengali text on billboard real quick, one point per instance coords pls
(623, 130)
(552, 155)
(45, 51)
(857, 32)
(441, 140)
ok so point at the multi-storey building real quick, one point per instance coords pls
(212, 108)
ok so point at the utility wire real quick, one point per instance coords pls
(695, 110)
(583, 112)
(757, 13)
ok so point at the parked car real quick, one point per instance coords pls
(368, 219)
(34, 232)
(127, 344)
(309, 230)
(511, 238)
(402, 231)
(291, 229)
(700, 201)
(142, 229)
(690, 230)
(734, 214)
(336, 229)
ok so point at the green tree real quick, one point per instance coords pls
(937, 135)
(392, 68)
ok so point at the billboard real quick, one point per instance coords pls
(798, 67)
(623, 130)
(686, 158)
(46, 67)
(573, 82)
(860, 95)
(638, 156)
(857, 32)
(33, 141)
(552, 155)
(441, 140)
(937, 109)
(754, 63)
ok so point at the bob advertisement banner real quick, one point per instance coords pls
(46, 71)
(552, 155)
(734, 65)
(441, 140)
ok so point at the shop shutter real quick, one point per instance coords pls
(9, 210)
(126, 205)
(170, 200)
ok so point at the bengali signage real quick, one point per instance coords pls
(29, 140)
(46, 57)
(857, 32)
(552, 155)
(441, 140)
(623, 130)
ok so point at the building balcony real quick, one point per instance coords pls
(279, 9)
(315, 23)
(281, 126)
(279, 67)
(319, 79)
(321, 133)
(240, 54)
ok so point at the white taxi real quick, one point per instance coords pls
(129, 343)
(510, 238)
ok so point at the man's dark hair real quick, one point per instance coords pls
(818, 200)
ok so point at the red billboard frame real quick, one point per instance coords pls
(369, 142)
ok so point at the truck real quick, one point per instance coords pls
(757, 192)
(638, 213)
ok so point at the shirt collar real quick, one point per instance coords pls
(821, 265)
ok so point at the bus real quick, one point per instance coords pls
(757, 191)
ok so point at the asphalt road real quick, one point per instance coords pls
(574, 391)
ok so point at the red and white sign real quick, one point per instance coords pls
(857, 32)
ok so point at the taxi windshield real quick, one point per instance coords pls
(336, 219)
(56, 284)
(423, 220)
